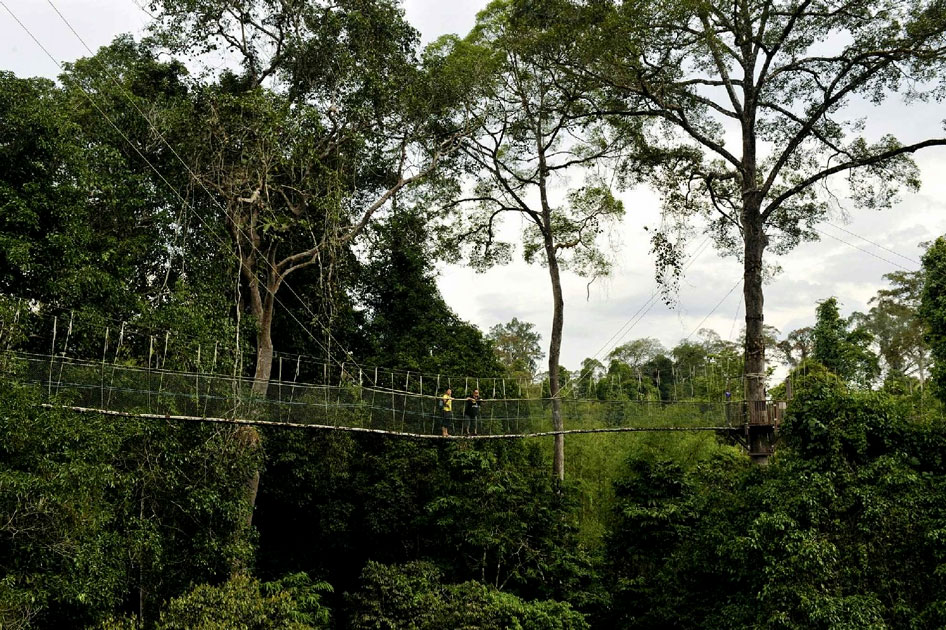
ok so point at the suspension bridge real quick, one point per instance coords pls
(140, 374)
(116, 389)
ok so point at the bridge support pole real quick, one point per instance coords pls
(760, 432)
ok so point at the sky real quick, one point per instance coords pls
(857, 247)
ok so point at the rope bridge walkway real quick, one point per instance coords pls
(119, 389)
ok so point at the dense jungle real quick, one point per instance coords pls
(258, 195)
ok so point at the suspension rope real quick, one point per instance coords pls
(335, 427)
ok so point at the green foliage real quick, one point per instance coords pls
(642, 369)
(489, 513)
(107, 240)
(332, 502)
(501, 520)
(292, 603)
(355, 52)
(826, 423)
(409, 324)
(933, 310)
(61, 538)
(796, 347)
(637, 352)
(841, 530)
(894, 322)
(413, 596)
(77, 227)
(843, 349)
(598, 460)
(516, 344)
(100, 508)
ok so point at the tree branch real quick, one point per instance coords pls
(846, 166)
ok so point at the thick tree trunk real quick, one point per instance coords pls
(263, 307)
(264, 355)
(754, 300)
(555, 347)
(755, 242)
(250, 439)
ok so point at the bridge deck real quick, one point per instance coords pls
(128, 390)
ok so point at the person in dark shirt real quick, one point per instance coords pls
(472, 413)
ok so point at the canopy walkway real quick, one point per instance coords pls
(145, 375)
(127, 390)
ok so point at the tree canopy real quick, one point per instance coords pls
(261, 180)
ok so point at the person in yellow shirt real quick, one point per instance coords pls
(446, 412)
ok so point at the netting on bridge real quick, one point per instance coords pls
(88, 335)
(131, 389)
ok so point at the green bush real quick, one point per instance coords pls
(412, 596)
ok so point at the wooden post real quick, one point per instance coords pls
(52, 355)
(164, 359)
(673, 375)
(197, 382)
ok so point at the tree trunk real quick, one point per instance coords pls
(263, 307)
(250, 438)
(755, 242)
(264, 355)
(754, 300)
(555, 347)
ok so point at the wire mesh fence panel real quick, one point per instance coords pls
(134, 389)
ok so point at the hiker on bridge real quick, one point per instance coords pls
(445, 405)
(471, 413)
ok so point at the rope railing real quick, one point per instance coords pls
(150, 392)
(83, 334)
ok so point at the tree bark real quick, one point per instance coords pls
(263, 307)
(264, 354)
(754, 300)
(555, 347)
(755, 242)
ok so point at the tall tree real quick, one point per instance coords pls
(409, 323)
(796, 347)
(637, 352)
(842, 348)
(591, 372)
(776, 77)
(516, 344)
(933, 310)
(899, 332)
(325, 118)
(531, 134)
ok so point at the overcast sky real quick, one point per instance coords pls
(596, 319)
